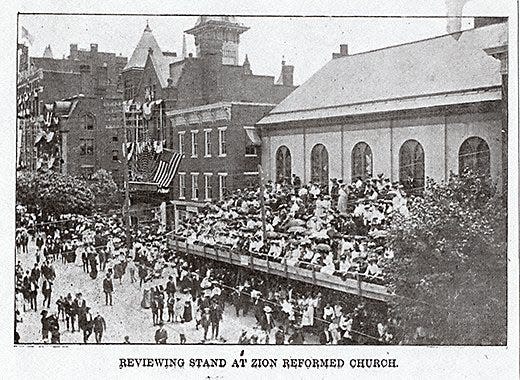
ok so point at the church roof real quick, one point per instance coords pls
(395, 77)
(140, 54)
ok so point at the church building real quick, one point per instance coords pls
(410, 112)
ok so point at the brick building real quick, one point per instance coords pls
(413, 111)
(205, 108)
(90, 135)
(43, 82)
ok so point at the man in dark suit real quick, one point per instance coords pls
(35, 273)
(108, 288)
(99, 327)
(88, 324)
(170, 286)
(79, 307)
(159, 299)
(47, 292)
(216, 317)
(45, 326)
(161, 335)
(33, 293)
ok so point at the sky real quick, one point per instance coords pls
(305, 42)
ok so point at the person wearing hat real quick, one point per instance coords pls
(108, 288)
(45, 325)
(79, 308)
(47, 292)
(159, 299)
(99, 327)
(88, 323)
(215, 316)
(161, 335)
(205, 322)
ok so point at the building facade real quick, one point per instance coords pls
(44, 81)
(90, 134)
(204, 107)
(410, 112)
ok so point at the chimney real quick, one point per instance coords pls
(343, 51)
(287, 74)
(73, 51)
(93, 48)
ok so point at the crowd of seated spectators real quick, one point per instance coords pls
(338, 229)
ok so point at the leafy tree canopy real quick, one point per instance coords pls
(54, 193)
(449, 270)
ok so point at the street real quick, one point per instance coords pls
(125, 317)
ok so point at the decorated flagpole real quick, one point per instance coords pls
(126, 205)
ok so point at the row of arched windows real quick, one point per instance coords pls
(473, 155)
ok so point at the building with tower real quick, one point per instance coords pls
(203, 106)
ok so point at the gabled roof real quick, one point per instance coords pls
(375, 81)
(176, 72)
(161, 64)
(140, 54)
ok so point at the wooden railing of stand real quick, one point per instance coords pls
(310, 276)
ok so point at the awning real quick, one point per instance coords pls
(62, 106)
(253, 136)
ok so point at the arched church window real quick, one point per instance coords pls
(411, 166)
(361, 161)
(474, 155)
(283, 164)
(319, 164)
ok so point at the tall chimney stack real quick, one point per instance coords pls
(343, 51)
(73, 51)
(287, 74)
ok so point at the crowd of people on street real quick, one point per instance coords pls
(340, 231)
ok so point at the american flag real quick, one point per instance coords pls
(169, 162)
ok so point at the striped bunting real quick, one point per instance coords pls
(167, 169)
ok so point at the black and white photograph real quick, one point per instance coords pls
(252, 180)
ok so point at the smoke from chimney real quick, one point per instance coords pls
(454, 13)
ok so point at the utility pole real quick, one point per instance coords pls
(262, 201)
(126, 205)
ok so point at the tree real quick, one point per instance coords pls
(106, 193)
(449, 270)
(53, 193)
